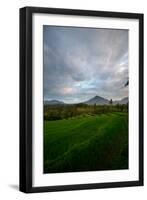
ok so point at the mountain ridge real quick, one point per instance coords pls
(98, 100)
(53, 102)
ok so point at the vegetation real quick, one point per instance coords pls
(85, 138)
(58, 112)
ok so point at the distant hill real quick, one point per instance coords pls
(97, 100)
(122, 101)
(53, 102)
(102, 101)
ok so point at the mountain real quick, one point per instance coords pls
(53, 102)
(97, 100)
(102, 101)
(122, 101)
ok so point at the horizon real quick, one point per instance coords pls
(86, 100)
(82, 62)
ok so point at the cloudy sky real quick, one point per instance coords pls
(80, 63)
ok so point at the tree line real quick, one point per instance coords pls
(57, 112)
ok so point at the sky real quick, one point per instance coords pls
(80, 63)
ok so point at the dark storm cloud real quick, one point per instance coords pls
(80, 63)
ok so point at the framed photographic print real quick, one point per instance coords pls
(81, 99)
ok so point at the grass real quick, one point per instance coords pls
(88, 143)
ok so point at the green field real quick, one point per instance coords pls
(86, 143)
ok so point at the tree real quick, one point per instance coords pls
(110, 102)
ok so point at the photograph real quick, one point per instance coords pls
(81, 99)
(85, 99)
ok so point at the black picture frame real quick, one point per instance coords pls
(26, 14)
